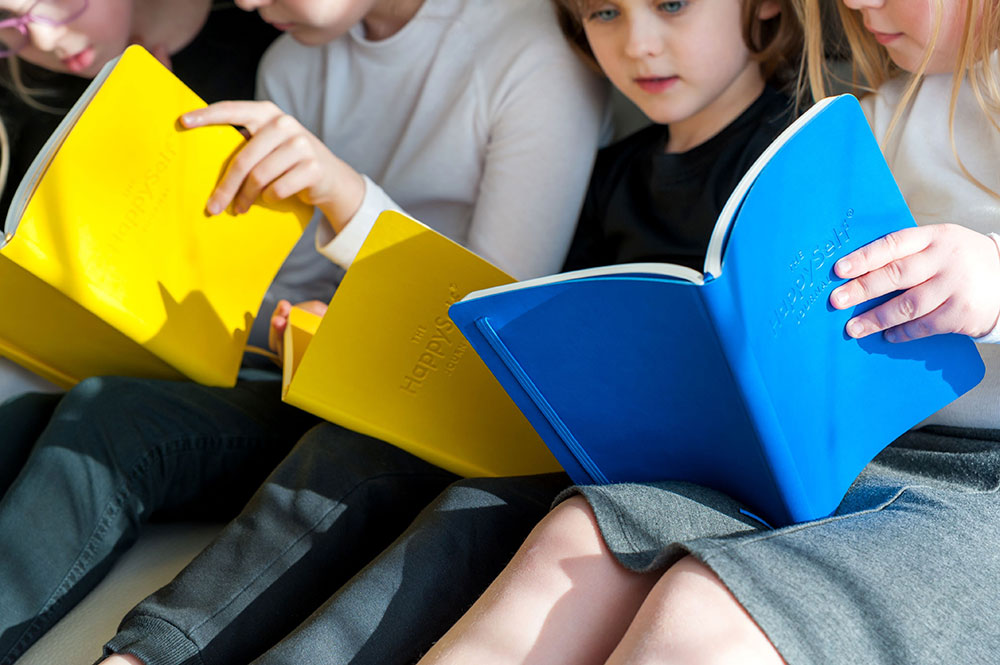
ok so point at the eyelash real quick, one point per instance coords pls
(603, 15)
(670, 7)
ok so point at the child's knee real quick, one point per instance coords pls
(696, 618)
(568, 533)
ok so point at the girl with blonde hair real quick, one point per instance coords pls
(904, 571)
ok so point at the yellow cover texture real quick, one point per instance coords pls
(388, 362)
(114, 267)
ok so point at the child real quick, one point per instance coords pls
(220, 609)
(41, 86)
(905, 570)
(33, 99)
(467, 145)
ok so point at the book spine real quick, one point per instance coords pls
(535, 395)
(32, 364)
(320, 406)
(726, 315)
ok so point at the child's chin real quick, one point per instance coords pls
(314, 36)
(659, 116)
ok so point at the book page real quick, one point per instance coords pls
(40, 163)
(668, 271)
(730, 212)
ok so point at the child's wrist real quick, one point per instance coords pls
(993, 335)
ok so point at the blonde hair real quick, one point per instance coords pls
(871, 65)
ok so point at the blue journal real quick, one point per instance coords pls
(740, 378)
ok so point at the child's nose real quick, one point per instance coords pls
(643, 40)
(43, 36)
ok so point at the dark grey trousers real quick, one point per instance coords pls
(352, 551)
(80, 473)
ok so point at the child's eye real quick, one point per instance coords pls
(603, 15)
(674, 6)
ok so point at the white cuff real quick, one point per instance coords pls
(341, 248)
(993, 336)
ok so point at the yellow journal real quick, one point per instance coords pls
(109, 263)
(387, 361)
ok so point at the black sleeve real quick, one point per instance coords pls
(588, 247)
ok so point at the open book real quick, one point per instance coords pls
(740, 378)
(386, 361)
(109, 263)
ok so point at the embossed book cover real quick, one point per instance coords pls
(741, 377)
(385, 360)
(109, 263)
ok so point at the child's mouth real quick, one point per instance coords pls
(655, 84)
(81, 61)
(284, 27)
(884, 38)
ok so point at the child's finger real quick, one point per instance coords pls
(282, 174)
(252, 115)
(246, 160)
(893, 276)
(948, 318)
(886, 249)
(263, 175)
(904, 308)
(279, 321)
(294, 180)
(957, 314)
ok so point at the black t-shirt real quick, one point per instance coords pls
(220, 63)
(646, 205)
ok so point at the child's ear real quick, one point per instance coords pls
(768, 10)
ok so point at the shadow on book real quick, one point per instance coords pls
(195, 322)
(110, 265)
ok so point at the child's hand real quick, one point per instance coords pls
(949, 275)
(279, 321)
(281, 159)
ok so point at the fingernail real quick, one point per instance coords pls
(213, 208)
(843, 267)
(855, 328)
(839, 297)
(891, 336)
(189, 119)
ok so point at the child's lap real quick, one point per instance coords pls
(904, 571)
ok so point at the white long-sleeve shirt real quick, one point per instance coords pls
(921, 158)
(476, 118)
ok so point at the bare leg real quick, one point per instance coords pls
(691, 617)
(562, 599)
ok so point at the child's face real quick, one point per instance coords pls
(674, 60)
(311, 22)
(905, 29)
(79, 47)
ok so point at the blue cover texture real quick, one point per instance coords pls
(746, 383)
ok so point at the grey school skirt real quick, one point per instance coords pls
(906, 572)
